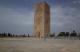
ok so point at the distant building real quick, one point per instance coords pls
(42, 19)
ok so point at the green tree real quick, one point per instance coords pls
(67, 34)
(73, 34)
(61, 34)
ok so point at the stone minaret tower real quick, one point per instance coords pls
(42, 19)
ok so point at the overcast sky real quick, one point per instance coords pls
(17, 16)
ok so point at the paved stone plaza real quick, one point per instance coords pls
(38, 45)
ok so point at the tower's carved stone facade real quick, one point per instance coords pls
(42, 19)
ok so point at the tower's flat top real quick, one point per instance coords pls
(42, 3)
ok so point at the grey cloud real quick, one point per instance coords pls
(65, 19)
(21, 20)
(14, 21)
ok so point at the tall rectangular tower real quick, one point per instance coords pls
(42, 19)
